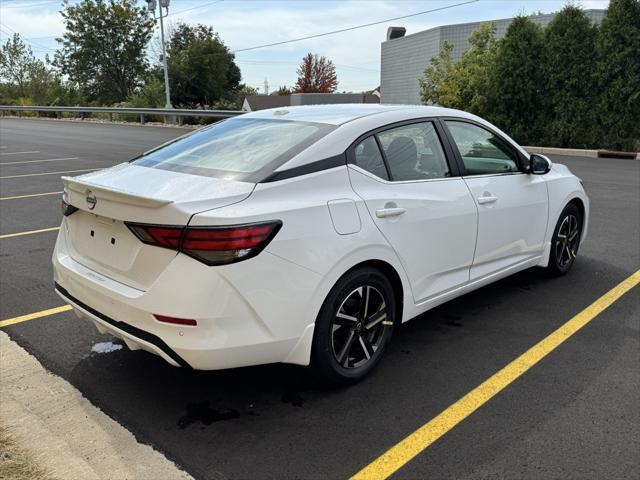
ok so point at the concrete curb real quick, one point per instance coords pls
(572, 152)
(68, 435)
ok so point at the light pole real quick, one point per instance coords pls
(151, 4)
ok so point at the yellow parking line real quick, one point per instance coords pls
(31, 316)
(401, 453)
(49, 173)
(16, 197)
(31, 232)
(39, 161)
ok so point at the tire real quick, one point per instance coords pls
(565, 241)
(349, 338)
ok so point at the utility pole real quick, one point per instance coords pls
(152, 4)
(266, 86)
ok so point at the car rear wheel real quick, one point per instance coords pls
(353, 328)
(565, 241)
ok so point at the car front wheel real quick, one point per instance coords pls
(354, 326)
(565, 241)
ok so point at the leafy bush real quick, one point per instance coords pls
(572, 84)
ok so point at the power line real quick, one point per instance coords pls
(353, 28)
(31, 5)
(193, 8)
(7, 29)
(276, 62)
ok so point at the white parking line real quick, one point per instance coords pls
(31, 232)
(49, 173)
(16, 197)
(19, 153)
(36, 161)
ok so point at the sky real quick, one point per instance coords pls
(247, 23)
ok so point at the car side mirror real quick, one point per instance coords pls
(539, 164)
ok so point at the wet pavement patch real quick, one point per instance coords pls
(452, 320)
(202, 412)
(294, 398)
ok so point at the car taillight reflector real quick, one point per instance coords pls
(176, 321)
(210, 245)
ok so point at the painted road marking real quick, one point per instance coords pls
(19, 153)
(38, 161)
(31, 232)
(50, 173)
(401, 453)
(32, 316)
(16, 197)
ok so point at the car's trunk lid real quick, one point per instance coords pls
(97, 234)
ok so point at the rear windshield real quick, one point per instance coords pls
(244, 149)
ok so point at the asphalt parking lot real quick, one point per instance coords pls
(575, 414)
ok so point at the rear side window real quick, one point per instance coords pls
(414, 152)
(244, 149)
(369, 158)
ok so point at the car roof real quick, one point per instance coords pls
(338, 114)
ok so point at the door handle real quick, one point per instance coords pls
(390, 212)
(486, 199)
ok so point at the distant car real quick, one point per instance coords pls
(306, 235)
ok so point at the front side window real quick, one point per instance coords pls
(414, 152)
(482, 152)
(237, 149)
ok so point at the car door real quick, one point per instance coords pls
(419, 203)
(512, 205)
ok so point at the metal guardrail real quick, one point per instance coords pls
(167, 113)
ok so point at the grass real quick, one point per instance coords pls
(16, 463)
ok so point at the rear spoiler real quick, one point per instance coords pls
(73, 186)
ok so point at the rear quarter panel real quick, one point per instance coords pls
(308, 237)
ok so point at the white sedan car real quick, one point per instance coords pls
(306, 235)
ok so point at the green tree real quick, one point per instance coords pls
(436, 87)
(618, 49)
(569, 68)
(103, 47)
(283, 91)
(26, 80)
(202, 70)
(235, 98)
(475, 71)
(20, 71)
(151, 95)
(59, 92)
(466, 85)
(519, 82)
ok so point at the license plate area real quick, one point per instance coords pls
(105, 241)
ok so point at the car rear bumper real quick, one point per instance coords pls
(249, 313)
(133, 337)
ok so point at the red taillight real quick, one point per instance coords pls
(176, 321)
(168, 237)
(210, 245)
